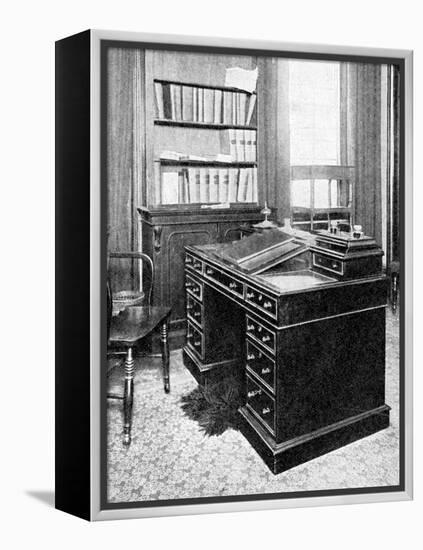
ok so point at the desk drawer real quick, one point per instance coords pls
(194, 310)
(328, 264)
(236, 287)
(261, 404)
(259, 364)
(195, 340)
(194, 263)
(261, 334)
(194, 287)
(261, 300)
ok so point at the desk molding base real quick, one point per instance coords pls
(286, 455)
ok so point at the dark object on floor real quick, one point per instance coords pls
(215, 406)
(129, 327)
(394, 270)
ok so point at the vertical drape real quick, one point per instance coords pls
(123, 160)
(363, 143)
(273, 135)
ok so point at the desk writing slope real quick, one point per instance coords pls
(303, 327)
(259, 251)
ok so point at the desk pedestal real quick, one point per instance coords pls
(311, 363)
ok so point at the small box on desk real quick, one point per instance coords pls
(346, 257)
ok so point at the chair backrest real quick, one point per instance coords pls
(140, 269)
(109, 308)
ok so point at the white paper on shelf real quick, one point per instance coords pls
(243, 79)
(220, 157)
(216, 206)
(170, 193)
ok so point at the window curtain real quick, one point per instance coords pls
(124, 159)
(361, 141)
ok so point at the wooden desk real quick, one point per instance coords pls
(310, 350)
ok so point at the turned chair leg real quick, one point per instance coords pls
(165, 356)
(128, 397)
(394, 292)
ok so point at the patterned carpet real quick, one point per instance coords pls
(170, 458)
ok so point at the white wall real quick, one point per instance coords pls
(26, 113)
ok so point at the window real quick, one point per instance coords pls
(314, 112)
(321, 189)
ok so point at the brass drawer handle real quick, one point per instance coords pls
(250, 356)
(232, 285)
(250, 295)
(251, 327)
(254, 393)
(265, 411)
(209, 271)
(267, 305)
(265, 370)
(265, 338)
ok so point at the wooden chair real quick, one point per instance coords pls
(128, 327)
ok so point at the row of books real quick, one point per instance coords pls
(196, 104)
(208, 185)
(236, 146)
(243, 145)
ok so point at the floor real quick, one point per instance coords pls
(170, 458)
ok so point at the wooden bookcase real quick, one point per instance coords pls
(198, 175)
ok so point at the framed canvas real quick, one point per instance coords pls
(233, 275)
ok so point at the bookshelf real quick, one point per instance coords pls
(198, 187)
(205, 144)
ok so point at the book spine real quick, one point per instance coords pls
(253, 134)
(195, 104)
(224, 185)
(242, 108)
(242, 185)
(232, 144)
(251, 108)
(218, 106)
(187, 103)
(234, 108)
(198, 186)
(172, 88)
(207, 183)
(178, 102)
(204, 192)
(158, 93)
(192, 185)
(167, 104)
(200, 116)
(240, 145)
(181, 190)
(254, 179)
(233, 184)
(208, 105)
(217, 184)
(227, 107)
(249, 186)
(213, 197)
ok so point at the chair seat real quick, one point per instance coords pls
(134, 323)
